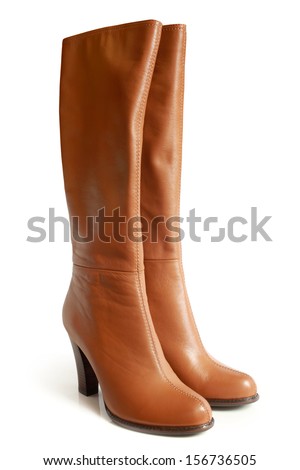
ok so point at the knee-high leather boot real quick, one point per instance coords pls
(160, 193)
(105, 80)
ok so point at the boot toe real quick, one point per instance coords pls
(246, 386)
(197, 413)
(234, 388)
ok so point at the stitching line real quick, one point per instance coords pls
(118, 271)
(174, 28)
(163, 260)
(178, 185)
(178, 209)
(138, 279)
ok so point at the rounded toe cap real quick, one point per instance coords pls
(199, 413)
(246, 386)
(224, 383)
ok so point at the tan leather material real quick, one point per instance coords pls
(105, 80)
(104, 315)
(160, 189)
(162, 143)
(178, 334)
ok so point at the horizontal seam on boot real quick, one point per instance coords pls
(108, 270)
(161, 259)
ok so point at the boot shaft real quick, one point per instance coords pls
(105, 79)
(162, 146)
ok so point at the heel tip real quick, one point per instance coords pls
(89, 392)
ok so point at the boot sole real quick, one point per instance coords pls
(160, 430)
(231, 403)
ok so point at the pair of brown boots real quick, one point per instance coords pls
(127, 311)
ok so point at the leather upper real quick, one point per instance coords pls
(105, 80)
(160, 193)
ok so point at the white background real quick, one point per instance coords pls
(241, 149)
